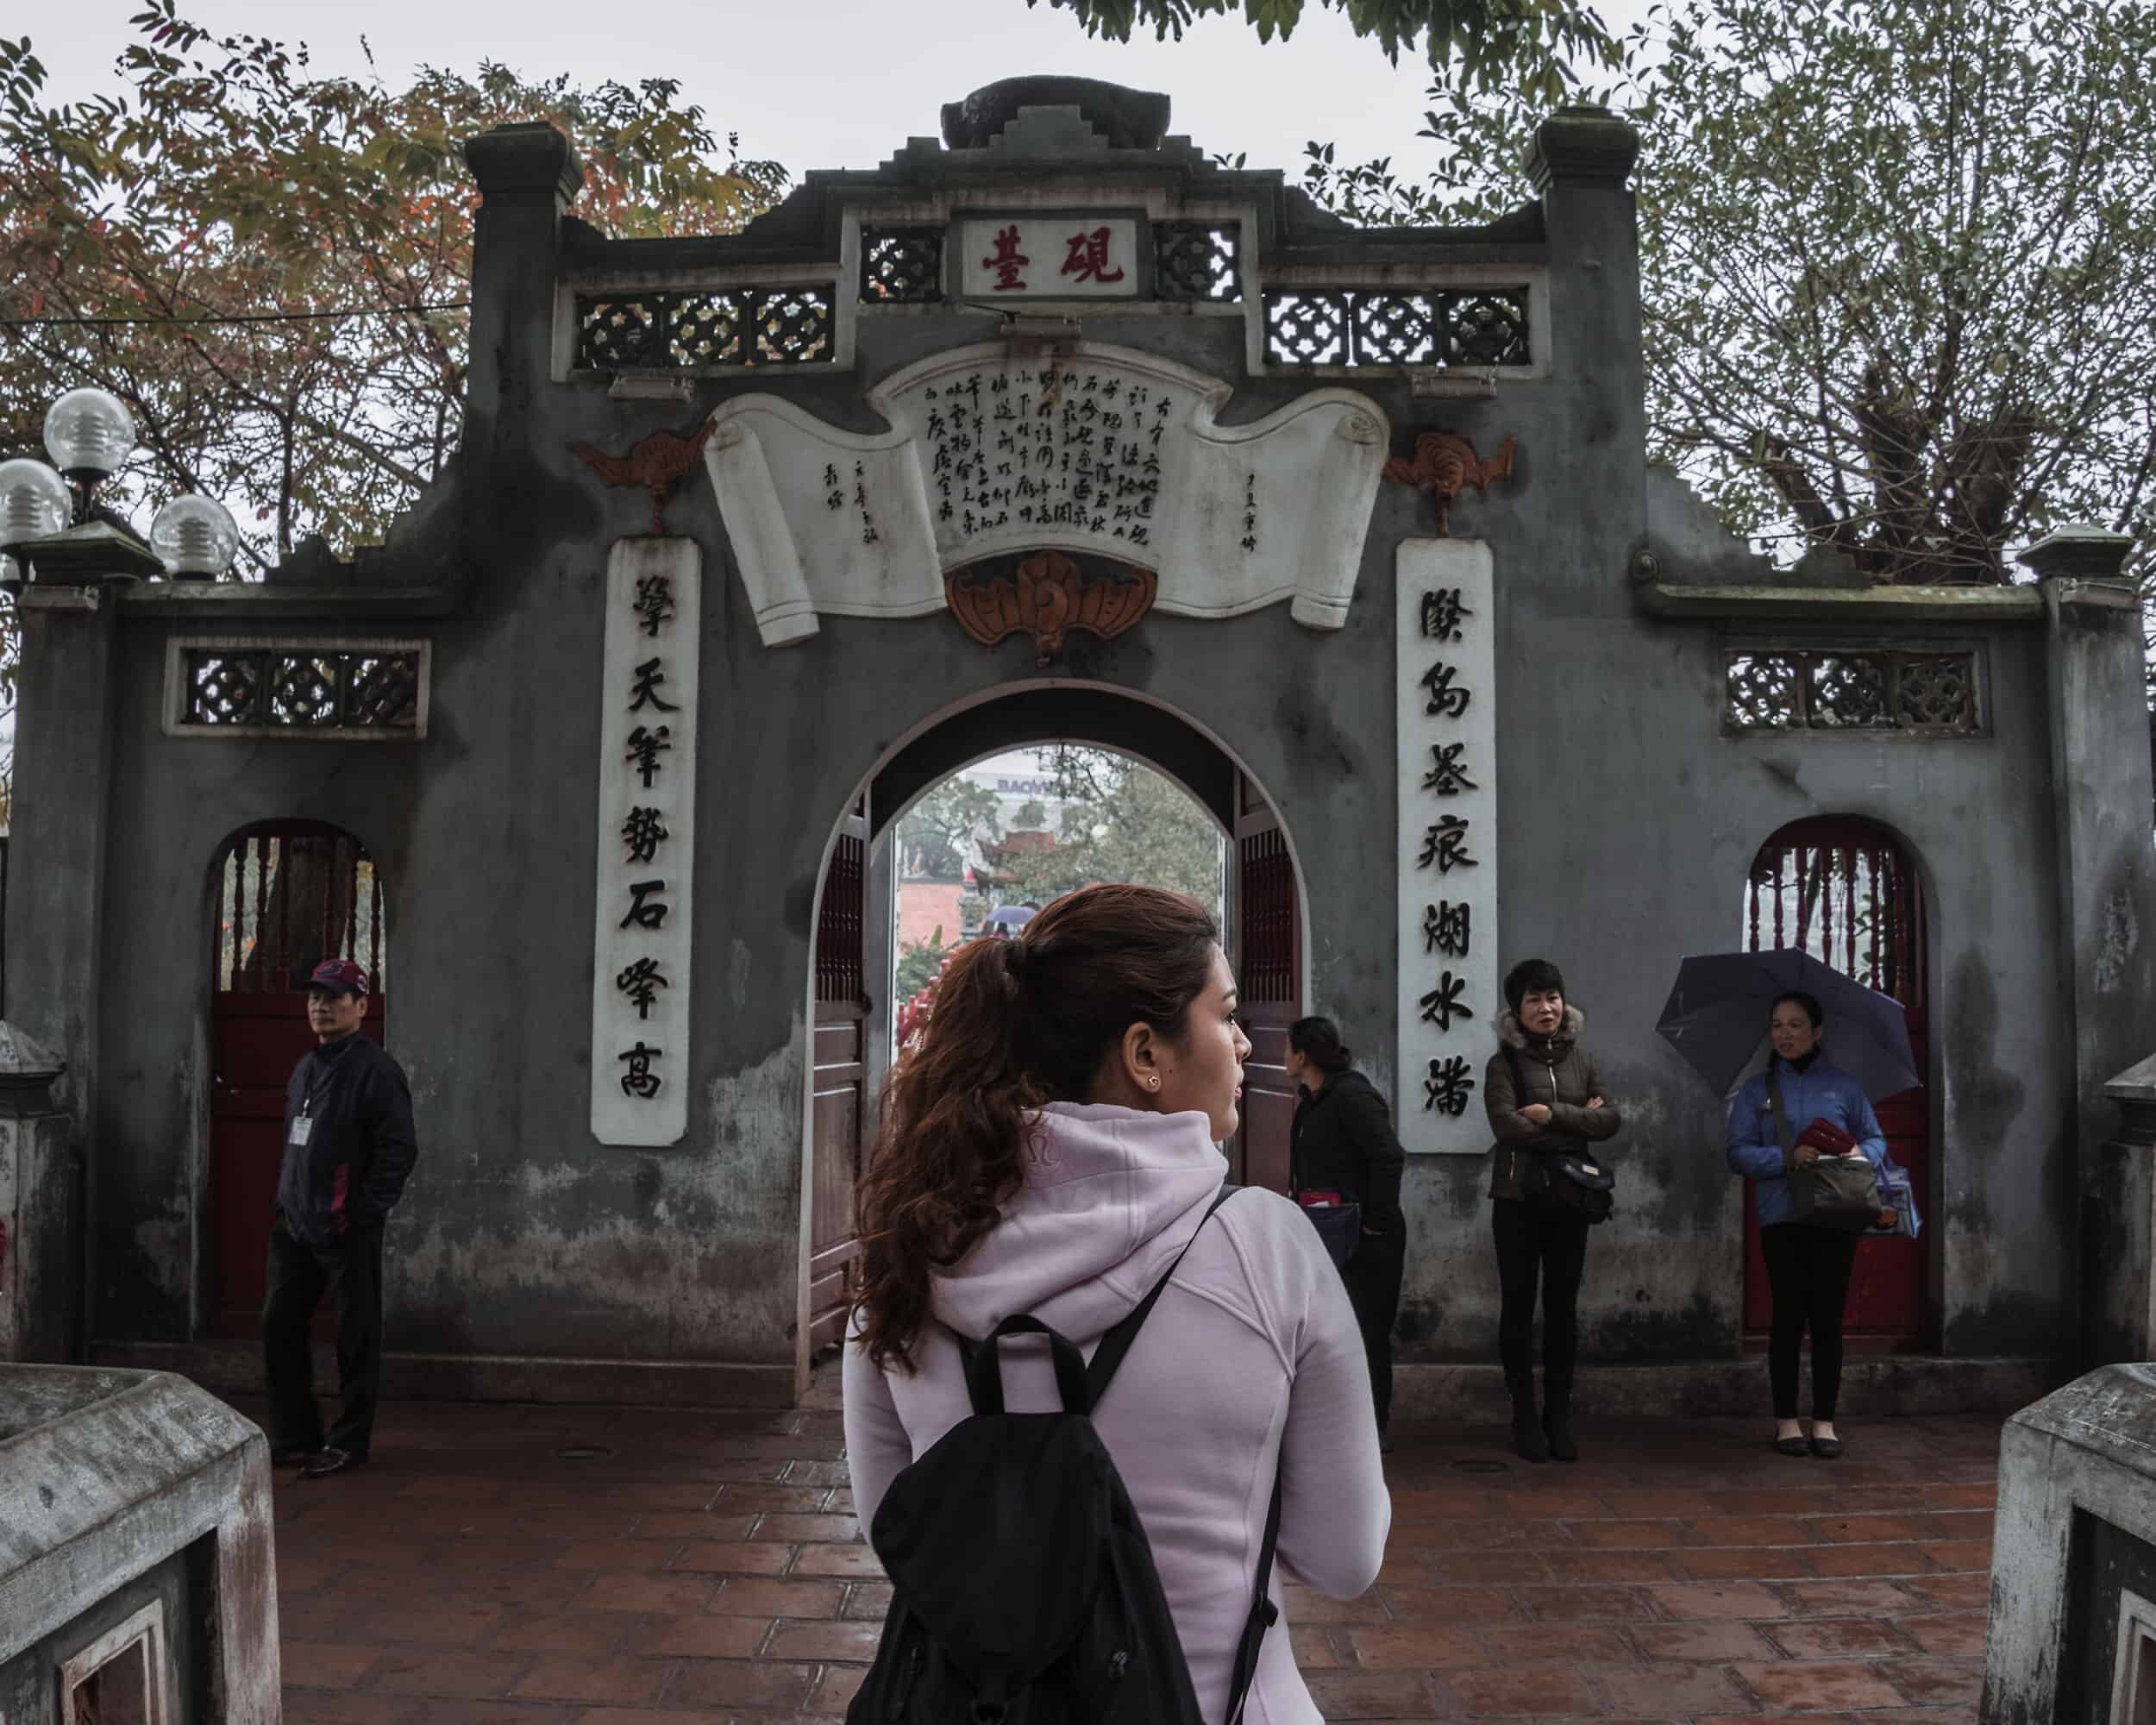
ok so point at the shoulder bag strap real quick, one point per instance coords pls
(1782, 1132)
(1518, 1076)
(1100, 1370)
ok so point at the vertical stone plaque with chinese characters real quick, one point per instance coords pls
(1447, 738)
(647, 844)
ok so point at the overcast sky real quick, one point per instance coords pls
(833, 83)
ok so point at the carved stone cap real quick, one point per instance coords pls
(2135, 1091)
(26, 1070)
(1582, 145)
(1129, 119)
(2079, 553)
(529, 157)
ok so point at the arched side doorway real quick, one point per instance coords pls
(1845, 890)
(1265, 920)
(289, 895)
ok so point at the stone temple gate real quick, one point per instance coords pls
(1050, 429)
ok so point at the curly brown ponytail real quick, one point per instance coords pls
(1017, 1023)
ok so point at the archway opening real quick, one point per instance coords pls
(996, 808)
(288, 895)
(1846, 891)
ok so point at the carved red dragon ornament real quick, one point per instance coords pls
(659, 463)
(1444, 466)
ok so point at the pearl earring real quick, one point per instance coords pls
(1152, 1083)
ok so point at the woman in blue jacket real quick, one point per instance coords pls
(1808, 1267)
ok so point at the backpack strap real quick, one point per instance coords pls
(1263, 1613)
(1117, 1342)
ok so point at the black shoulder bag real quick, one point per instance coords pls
(1560, 1179)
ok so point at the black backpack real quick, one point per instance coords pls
(1024, 1591)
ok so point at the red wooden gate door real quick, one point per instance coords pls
(1268, 977)
(289, 895)
(1844, 891)
(841, 1057)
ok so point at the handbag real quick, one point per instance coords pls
(1836, 1192)
(1338, 1221)
(1897, 1196)
(1562, 1179)
(1337, 1217)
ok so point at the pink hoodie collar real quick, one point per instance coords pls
(1110, 1196)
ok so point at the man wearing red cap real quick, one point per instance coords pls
(349, 1148)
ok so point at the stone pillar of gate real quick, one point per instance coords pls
(1579, 164)
(66, 686)
(2106, 866)
(528, 176)
(40, 1190)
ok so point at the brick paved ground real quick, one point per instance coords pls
(708, 1570)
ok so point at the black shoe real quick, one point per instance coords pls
(326, 1462)
(1793, 1447)
(1384, 1441)
(292, 1455)
(1556, 1427)
(1528, 1440)
(1827, 1449)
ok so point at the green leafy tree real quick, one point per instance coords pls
(1898, 265)
(941, 836)
(1122, 821)
(1483, 44)
(919, 961)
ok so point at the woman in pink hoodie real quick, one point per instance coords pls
(1050, 1148)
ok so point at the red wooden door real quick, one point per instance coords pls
(289, 895)
(1844, 892)
(1268, 960)
(841, 1062)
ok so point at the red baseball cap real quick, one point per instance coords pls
(338, 976)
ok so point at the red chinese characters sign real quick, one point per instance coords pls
(1049, 257)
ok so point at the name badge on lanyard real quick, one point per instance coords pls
(302, 1126)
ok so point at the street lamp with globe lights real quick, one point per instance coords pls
(53, 530)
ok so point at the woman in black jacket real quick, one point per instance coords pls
(1342, 1141)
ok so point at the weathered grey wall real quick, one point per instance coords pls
(1629, 820)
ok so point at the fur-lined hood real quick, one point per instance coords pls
(1512, 1034)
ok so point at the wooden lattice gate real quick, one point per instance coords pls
(290, 894)
(838, 1117)
(1845, 892)
(1268, 977)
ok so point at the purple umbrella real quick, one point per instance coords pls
(1716, 1018)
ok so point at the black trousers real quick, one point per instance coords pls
(350, 1272)
(1538, 1245)
(1373, 1278)
(1808, 1270)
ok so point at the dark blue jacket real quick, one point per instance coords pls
(359, 1149)
(1824, 1092)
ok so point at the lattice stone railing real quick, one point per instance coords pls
(901, 266)
(1389, 327)
(1197, 261)
(358, 690)
(1851, 689)
(689, 329)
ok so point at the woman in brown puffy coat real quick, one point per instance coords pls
(1555, 1105)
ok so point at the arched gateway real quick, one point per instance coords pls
(851, 1009)
(1054, 427)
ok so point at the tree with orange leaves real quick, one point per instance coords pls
(270, 267)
